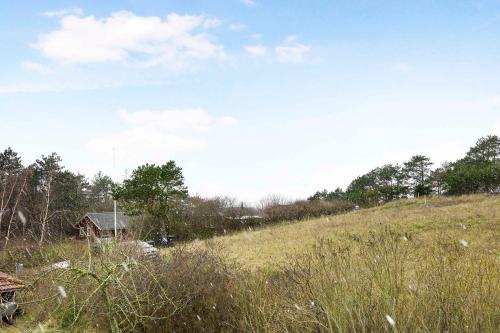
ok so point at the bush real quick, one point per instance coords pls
(114, 292)
(305, 209)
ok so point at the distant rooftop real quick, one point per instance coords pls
(106, 221)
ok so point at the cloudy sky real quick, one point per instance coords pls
(250, 97)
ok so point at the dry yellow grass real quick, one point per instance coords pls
(431, 264)
(474, 218)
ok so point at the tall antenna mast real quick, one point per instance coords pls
(114, 200)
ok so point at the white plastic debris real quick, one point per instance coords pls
(464, 243)
(199, 318)
(62, 265)
(19, 268)
(297, 307)
(125, 266)
(62, 292)
(21, 216)
(390, 320)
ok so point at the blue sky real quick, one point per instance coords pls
(249, 97)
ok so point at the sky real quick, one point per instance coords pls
(249, 97)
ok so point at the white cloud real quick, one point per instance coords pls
(63, 12)
(256, 50)
(23, 88)
(142, 144)
(197, 118)
(228, 120)
(236, 27)
(291, 38)
(249, 3)
(292, 54)
(211, 23)
(150, 135)
(36, 67)
(256, 36)
(173, 42)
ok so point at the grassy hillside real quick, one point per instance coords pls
(475, 219)
(427, 265)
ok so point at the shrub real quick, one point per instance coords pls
(305, 209)
(189, 291)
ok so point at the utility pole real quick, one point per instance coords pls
(114, 200)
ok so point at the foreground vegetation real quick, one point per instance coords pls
(427, 265)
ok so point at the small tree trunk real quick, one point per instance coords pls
(46, 212)
(14, 209)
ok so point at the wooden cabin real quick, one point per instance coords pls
(9, 285)
(102, 225)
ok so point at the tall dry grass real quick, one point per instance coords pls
(428, 265)
(353, 289)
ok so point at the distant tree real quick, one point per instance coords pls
(42, 207)
(70, 199)
(389, 182)
(10, 162)
(379, 185)
(437, 179)
(12, 183)
(101, 186)
(101, 192)
(273, 200)
(478, 171)
(417, 171)
(487, 149)
(363, 190)
(324, 195)
(156, 190)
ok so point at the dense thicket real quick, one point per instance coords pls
(477, 172)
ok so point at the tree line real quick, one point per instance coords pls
(477, 172)
(41, 201)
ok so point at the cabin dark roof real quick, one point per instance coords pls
(106, 221)
(9, 283)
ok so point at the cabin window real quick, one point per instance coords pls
(89, 231)
(82, 231)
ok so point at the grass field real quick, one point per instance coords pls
(426, 265)
(475, 219)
